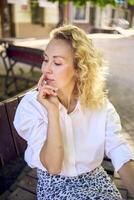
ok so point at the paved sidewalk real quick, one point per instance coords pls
(122, 96)
(119, 52)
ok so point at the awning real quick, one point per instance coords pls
(42, 3)
(20, 2)
(47, 4)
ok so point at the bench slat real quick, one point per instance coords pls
(33, 173)
(20, 194)
(7, 148)
(28, 183)
(20, 144)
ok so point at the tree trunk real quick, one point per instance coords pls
(61, 8)
(100, 21)
(92, 15)
(5, 19)
(131, 8)
(113, 13)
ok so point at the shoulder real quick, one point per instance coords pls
(112, 116)
(30, 116)
(99, 112)
(30, 104)
(107, 106)
(108, 109)
(30, 96)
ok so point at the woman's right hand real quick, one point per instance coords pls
(47, 95)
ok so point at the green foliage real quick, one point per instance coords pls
(131, 2)
(101, 3)
(80, 2)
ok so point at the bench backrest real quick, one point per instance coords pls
(18, 54)
(25, 55)
(11, 145)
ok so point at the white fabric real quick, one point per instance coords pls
(87, 135)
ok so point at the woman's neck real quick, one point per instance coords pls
(68, 98)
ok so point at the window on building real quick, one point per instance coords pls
(37, 13)
(80, 14)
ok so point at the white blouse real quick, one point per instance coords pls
(87, 135)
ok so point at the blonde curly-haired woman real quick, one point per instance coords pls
(69, 123)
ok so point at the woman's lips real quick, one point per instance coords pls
(49, 80)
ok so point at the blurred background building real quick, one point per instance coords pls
(35, 18)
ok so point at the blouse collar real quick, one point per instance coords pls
(77, 107)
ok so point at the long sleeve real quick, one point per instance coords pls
(116, 147)
(31, 124)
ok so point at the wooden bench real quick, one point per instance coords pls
(18, 54)
(13, 146)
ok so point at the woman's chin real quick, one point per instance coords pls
(51, 83)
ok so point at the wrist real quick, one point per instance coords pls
(53, 111)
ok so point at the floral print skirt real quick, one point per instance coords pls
(94, 185)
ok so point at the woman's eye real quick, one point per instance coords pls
(57, 63)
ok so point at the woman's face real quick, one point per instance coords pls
(58, 67)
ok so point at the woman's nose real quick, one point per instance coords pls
(46, 68)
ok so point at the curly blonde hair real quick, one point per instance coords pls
(89, 64)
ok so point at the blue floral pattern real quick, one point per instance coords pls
(94, 185)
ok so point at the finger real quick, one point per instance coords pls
(40, 82)
(46, 91)
(49, 87)
(41, 78)
(50, 92)
(53, 93)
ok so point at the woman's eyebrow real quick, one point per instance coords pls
(59, 56)
(56, 56)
